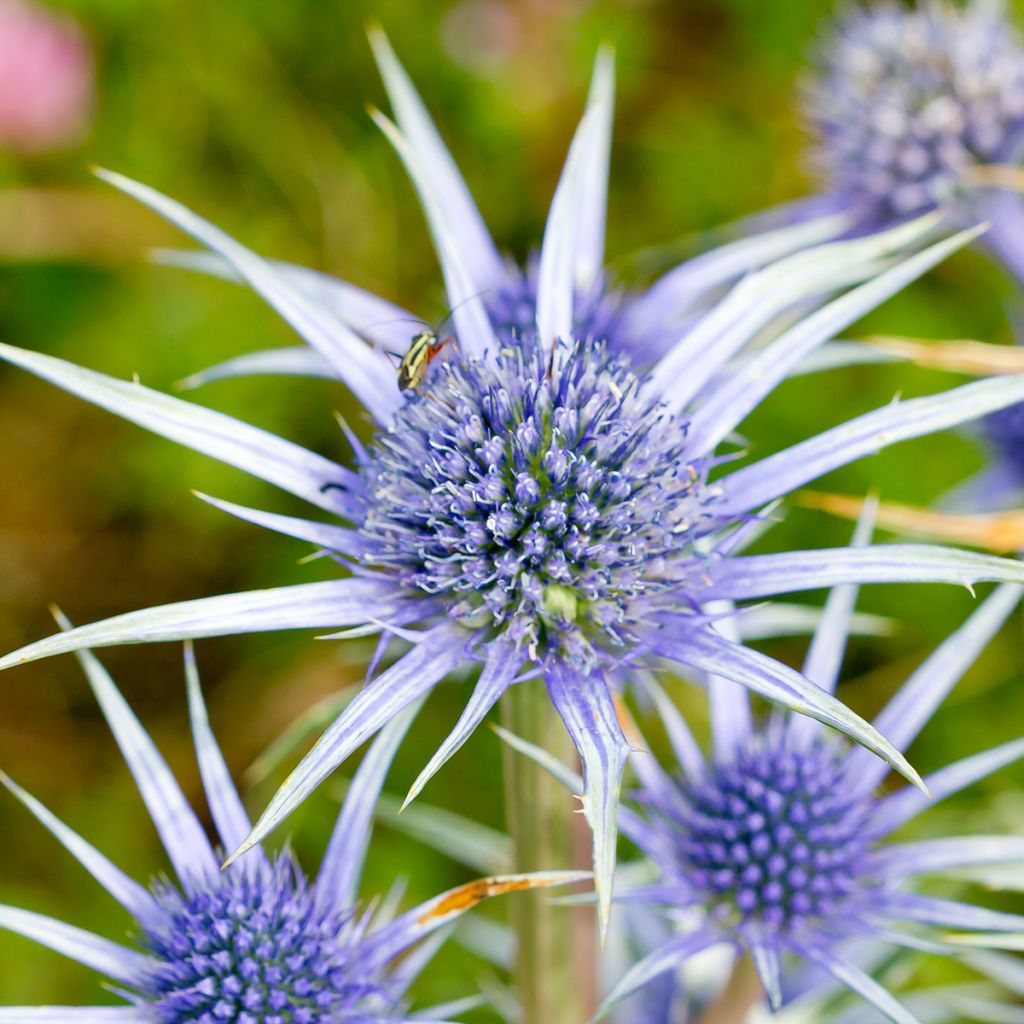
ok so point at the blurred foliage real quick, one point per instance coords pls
(254, 114)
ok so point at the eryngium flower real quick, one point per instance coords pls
(776, 845)
(1003, 483)
(908, 102)
(544, 498)
(257, 942)
(924, 108)
(913, 109)
(535, 499)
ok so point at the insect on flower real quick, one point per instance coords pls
(426, 346)
(423, 349)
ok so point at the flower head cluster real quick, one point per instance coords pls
(1005, 431)
(772, 836)
(541, 494)
(253, 946)
(907, 102)
(541, 503)
(256, 943)
(777, 845)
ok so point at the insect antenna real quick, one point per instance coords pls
(365, 331)
(459, 305)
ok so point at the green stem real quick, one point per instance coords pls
(554, 967)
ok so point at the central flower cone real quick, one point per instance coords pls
(542, 494)
(774, 837)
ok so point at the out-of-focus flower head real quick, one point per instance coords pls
(549, 497)
(776, 845)
(256, 942)
(922, 107)
(46, 78)
(1001, 484)
(908, 101)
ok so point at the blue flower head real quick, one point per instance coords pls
(777, 845)
(772, 836)
(554, 498)
(1006, 431)
(533, 493)
(257, 943)
(908, 102)
(1003, 482)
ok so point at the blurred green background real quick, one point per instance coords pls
(254, 114)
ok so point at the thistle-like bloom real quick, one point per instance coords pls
(777, 846)
(908, 101)
(553, 495)
(1002, 484)
(913, 109)
(257, 942)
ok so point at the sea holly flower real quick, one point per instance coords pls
(912, 109)
(1001, 485)
(777, 845)
(641, 924)
(548, 502)
(258, 941)
(916, 108)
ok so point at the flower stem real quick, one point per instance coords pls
(741, 991)
(554, 985)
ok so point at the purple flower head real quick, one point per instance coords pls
(771, 838)
(542, 496)
(777, 845)
(257, 942)
(253, 946)
(557, 499)
(906, 103)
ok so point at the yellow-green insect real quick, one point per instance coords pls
(422, 349)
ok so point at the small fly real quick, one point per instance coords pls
(423, 348)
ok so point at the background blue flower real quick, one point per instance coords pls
(908, 102)
(777, 843)
(922, 107)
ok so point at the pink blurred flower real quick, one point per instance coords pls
(46, 74)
